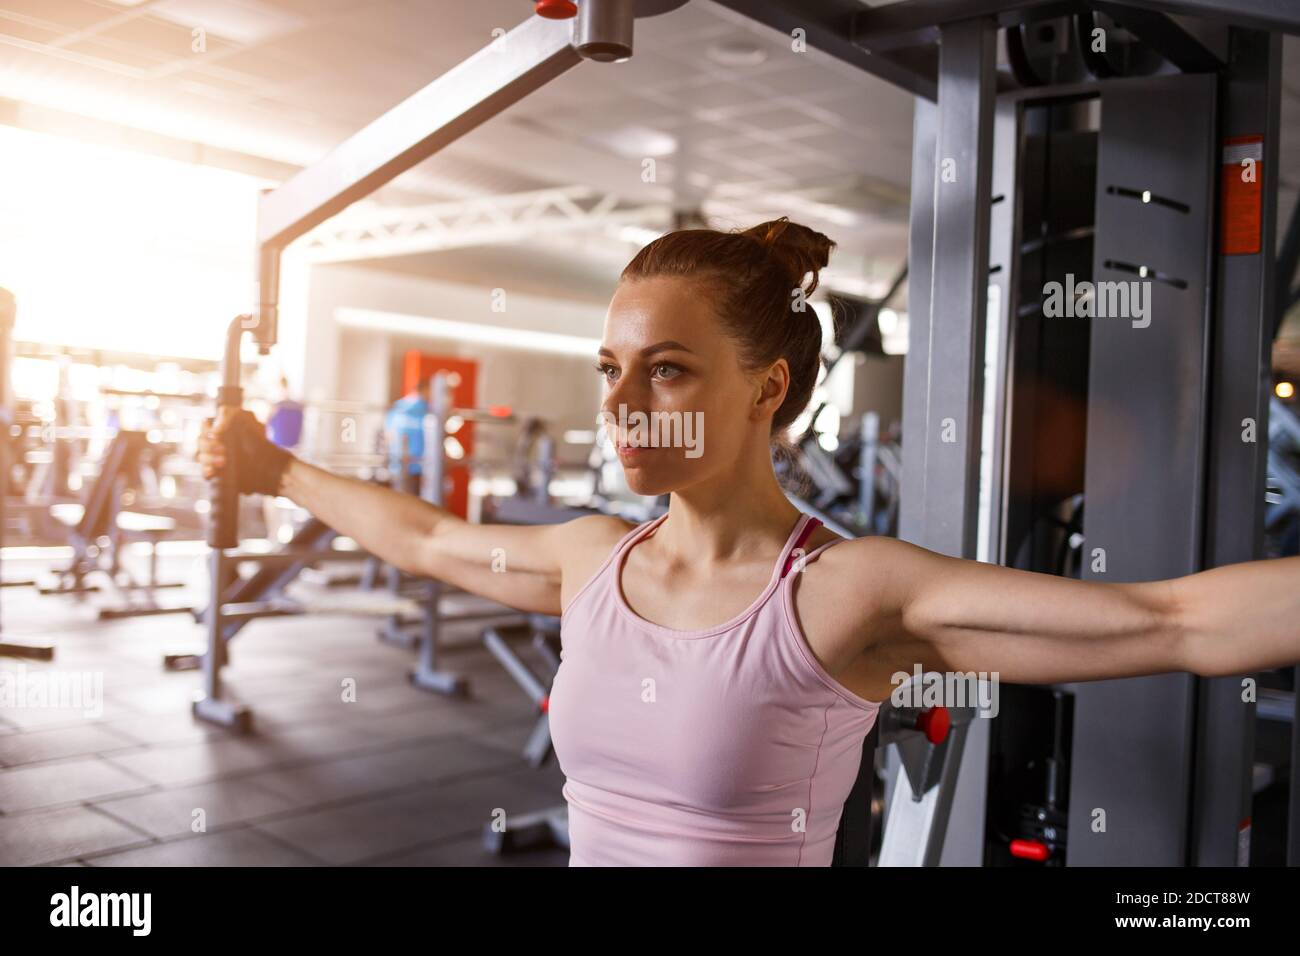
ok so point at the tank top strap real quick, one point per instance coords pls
(614, 557)
(803, 531)
(817, 552)
(641, 531)
(636, 534)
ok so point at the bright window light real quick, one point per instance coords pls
(466, 331)
(111, 249)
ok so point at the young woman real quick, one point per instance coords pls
(723, 663)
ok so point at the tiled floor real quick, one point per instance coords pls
(398, 777)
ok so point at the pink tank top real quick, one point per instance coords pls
(730, 746)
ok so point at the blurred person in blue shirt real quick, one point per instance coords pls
(284, 424)
(283, 428)
(404, 433)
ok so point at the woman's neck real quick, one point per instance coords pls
(714, 520)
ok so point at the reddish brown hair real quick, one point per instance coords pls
(752, 276)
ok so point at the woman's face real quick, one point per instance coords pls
(678, 406)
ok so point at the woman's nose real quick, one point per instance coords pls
(627, 390)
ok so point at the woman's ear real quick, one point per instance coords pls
(771, 387)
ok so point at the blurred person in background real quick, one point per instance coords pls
(283, 429)
(404, 433)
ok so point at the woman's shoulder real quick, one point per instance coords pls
(593, 532)
(852, 568)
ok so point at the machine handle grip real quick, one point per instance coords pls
(223, 501)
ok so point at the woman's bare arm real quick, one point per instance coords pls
(948, 614)
(520, 566)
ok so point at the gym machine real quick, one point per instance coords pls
(263, 594)
(854, 489)
(423, 632)
(1111, 153)
(98, 529)
(1168, 756)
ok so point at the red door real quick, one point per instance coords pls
(464, 394)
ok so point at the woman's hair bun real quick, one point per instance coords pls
(797, 248)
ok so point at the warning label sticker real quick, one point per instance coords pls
(1241, 195)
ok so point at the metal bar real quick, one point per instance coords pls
(916, 364)
(1240, 358)
(961, 181)
(1148, 411)
(1288, 260)
(305, 555)
(943, 400)
(1004, 240)
(917, 22)
(427, 674)
(897, 26)
(1279, 15)
(531, 684)
(473, 91)
(828, 26)
(830, 523)
(1168, 37)
(870, 432)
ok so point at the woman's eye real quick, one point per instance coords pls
(604, 370)
(672, 370)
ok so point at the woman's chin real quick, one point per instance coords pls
(646, 482)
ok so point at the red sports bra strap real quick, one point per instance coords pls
(804, 535)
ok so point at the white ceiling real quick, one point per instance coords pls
(281, 82)
(287, 80)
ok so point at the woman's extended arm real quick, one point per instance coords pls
(949, 614)
(519, 566)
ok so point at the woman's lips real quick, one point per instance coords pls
(628, 452)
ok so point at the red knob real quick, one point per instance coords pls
(934, 723)
(546, 704)
(1030, 850)
(556, 9)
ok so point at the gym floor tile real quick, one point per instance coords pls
(271, 711)
(343, 779)
(67, 781)
(54, 835)
(449, 757)
(469, 851)
(368, 774)
(194, 762)
(47, 718)
(398, 777)
(298, 744)
(242, 847)
(509, 736)
(76, 741)
(460, 719)
(171, 694)
(148, 729)
(358, 832)
(170, 813)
